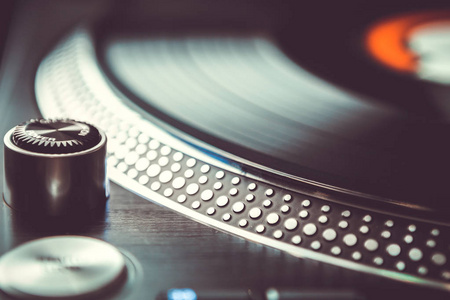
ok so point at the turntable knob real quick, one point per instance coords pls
(63, 267)
(55, 167)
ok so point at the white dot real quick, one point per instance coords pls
(364, 229)
(255, 213)
(210, 211)
(446, 275)
(350, 239)
(323, 219)
(178, 183)
(142, 164)
(207, 195)
(175, 167)
(343, 224)
(287, 198)
(260, 228)
(386, 234)
(131, 158)
(252, 186)
(408, 239)
(326, 208)
(234, 191)
(155, 186)
(389, 223)
(285, 209)
(163, 161)
(371, 245)
(250, 197)
(272, 218)
(222, 201)
(431, 243)
(303, 214)
(329, 234)
(356, 255)
(316, 245)
(422, 270)
(153, 144)
(165, 176)
(278, 234)
(235, 180)
(220, 174)
(122, 167)
(143, 138)
(143, 179)
(367, 219)
(177, 156)
(378, 261)
(196, 204)
(306, 203)
(152, 155)
(243, 223)
(400, 266)
(168, 192)
(296, 239)
(191, 162)
(310, 229)
(412, 228)
(131, 143)
(192, 189)
(269, 193)
(226, 217)
(205, 169)
(438, 259)
(165, 150)
(336, 250)
(188, 173)
(202, 179)
(132, 173)
(346, 213)
(218, 185)
(153, 170)
(290, 224)
(393, 249)
(415, 254)
(181, 198)
(238, 207)
(267, 203)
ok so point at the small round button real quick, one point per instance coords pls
(63, 267)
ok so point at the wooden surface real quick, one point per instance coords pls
(172, 250)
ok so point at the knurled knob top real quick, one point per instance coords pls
(55, 136)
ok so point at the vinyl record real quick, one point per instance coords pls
(308, 99)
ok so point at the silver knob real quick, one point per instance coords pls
(55, 167)
(62, 267)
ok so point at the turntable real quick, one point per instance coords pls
(292, 151)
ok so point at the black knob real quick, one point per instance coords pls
(55, 167)
(55, 136)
